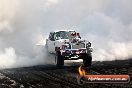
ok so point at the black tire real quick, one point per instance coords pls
(59, 60)
(87, 60)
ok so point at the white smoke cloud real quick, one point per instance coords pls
(24, 24)
(51, 2)
(110, 37)
(19, 34)
(4, 57)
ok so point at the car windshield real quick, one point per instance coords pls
(63, 34)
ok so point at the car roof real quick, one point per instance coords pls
(62, 30)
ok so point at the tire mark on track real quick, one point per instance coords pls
(25, 84)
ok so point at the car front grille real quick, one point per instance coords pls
(78, 46)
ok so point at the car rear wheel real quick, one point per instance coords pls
(59, 60)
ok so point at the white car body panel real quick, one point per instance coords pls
(51, 46)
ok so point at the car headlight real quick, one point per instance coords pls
(88, 45)
(66, 46)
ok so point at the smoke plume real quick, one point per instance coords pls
(25, 24)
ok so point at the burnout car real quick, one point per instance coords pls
(68, 45)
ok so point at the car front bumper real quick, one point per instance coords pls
(73, 54)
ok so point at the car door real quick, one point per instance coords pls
(51, 43)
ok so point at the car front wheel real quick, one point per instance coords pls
(87, 60)
(59, 60)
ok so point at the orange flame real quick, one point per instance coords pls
(81, 71)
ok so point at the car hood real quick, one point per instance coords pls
(63, 40)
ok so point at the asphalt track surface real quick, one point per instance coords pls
(49, 76)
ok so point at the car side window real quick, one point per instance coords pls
(51, 36)
(55, 36)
